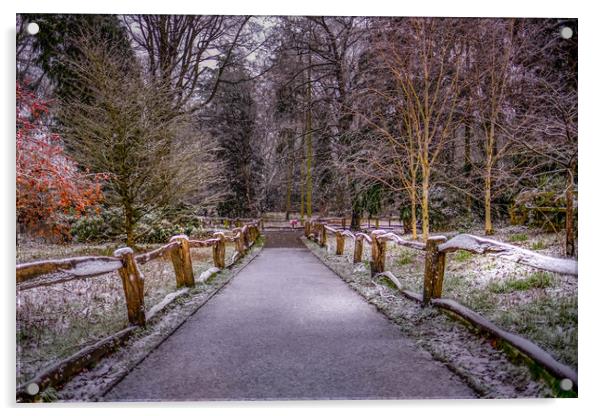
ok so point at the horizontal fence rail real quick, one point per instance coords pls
(435, 250)
(52, 272)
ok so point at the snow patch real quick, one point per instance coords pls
(166, 301)
(207, 274)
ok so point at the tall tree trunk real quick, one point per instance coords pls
(489, 159)
(570, 215)
(302, 183)
(467, 162)
(425, 204)
(308, 137)
(488, 223)
(356, 216)
(289, 176)
(413, 211)
(129, 224)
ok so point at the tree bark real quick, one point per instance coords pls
(355, 219)
(308, 142)
(467, 162)
(570, 216)
(489, 160)
(413, 213)
(425, 205)
(488, 223)
(129, 225)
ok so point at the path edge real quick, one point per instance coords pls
(99, 397)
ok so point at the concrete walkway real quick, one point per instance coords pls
(287, 328)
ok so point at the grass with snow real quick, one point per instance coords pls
(54, 322)
(538, 305)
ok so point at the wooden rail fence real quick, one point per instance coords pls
(435, 250)
(51, 272)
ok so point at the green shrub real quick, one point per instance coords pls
(105, 226)
(89, 228)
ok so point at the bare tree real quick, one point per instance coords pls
(152, 159)
(423, 57)
(189, 53)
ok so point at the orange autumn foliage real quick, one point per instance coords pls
(50, 185)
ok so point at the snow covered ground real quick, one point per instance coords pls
(56, 321)
(537, 305)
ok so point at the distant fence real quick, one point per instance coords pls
(51, 272)
(435, 250)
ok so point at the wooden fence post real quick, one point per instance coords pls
(358, 249)
(307, 229)
(377, 223)
(344, 223)
(379, 254)
(241, 245)
(182, 263)
(434, 268)
(323, 237)
(340, 243)
(247, 235)
(219, 251)
(133, 286)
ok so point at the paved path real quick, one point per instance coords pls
(287, 328)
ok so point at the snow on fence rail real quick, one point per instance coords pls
(50, 272)
(435, 249)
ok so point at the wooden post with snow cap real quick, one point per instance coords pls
(434, 268)
(323, 237)
(182, 263)
(133, 286)
(358, 249)
(379, 254)
(219, 251)
(340, 243)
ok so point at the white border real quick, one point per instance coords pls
(589, 196)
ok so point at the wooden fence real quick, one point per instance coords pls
(435, 250)
(51, 272)
(271, 221)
